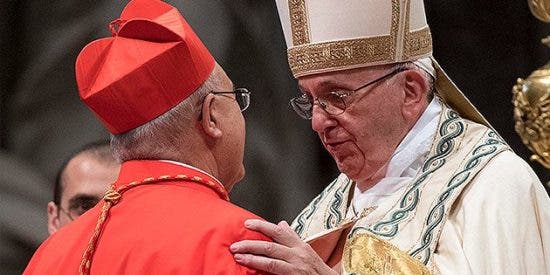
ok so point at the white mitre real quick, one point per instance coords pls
(333, 35)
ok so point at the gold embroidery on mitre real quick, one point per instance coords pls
(417, 43)
(305, 58)
(344, 53)
(366, 254)
(298, 22)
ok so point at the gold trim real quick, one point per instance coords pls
(367, 254)
(417, 43)
(308, 58)
(298, 22)
(332, 55)
(394, 29)
(402, 29)
(305, 58)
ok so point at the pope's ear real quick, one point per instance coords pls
(415, 87)
(210, 117)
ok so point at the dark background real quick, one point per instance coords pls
(484, 46)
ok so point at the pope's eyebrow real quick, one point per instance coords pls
(330, 83)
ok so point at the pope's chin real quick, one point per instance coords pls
(349, 166)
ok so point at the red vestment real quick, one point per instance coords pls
(162, 227)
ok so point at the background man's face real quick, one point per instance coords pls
(84, 183)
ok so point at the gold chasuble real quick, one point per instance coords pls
(400, 235)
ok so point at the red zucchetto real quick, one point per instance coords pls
(153, 61)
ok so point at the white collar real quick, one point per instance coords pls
(192, 168)
(406, 160)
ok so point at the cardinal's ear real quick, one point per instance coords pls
(210, 117)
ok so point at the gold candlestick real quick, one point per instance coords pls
(531, 99)
(532, 113)
(540, 9)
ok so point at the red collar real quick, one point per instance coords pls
(139, 171)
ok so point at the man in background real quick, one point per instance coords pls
(81, 183)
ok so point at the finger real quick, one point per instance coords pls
(269, 249)
(264, 264)
(285, 225)
(280, 234)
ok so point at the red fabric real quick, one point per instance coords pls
(176, 227)
(153, 62)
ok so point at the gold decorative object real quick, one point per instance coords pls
(540, 9)
(532, 100)
(532, 113)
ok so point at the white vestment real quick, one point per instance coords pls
(461, 203)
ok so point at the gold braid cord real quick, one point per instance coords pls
(114, 195)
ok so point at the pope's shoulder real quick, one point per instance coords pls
(506, 178)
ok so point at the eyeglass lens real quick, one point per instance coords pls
(332, 103)
(243, 99)
(242, 96)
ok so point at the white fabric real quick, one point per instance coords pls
(503, 215)
(418, 21)
(405, 162)
(336, 20)
(284, 16)
(426, 64)
(193, 168)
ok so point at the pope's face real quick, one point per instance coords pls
(361, 139)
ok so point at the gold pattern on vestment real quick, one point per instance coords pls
(366, 254)
(298, 22)
(305, 58)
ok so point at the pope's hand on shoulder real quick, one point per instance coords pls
(288, 254)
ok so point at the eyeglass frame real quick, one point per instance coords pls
(240, 91)
(341, 95)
